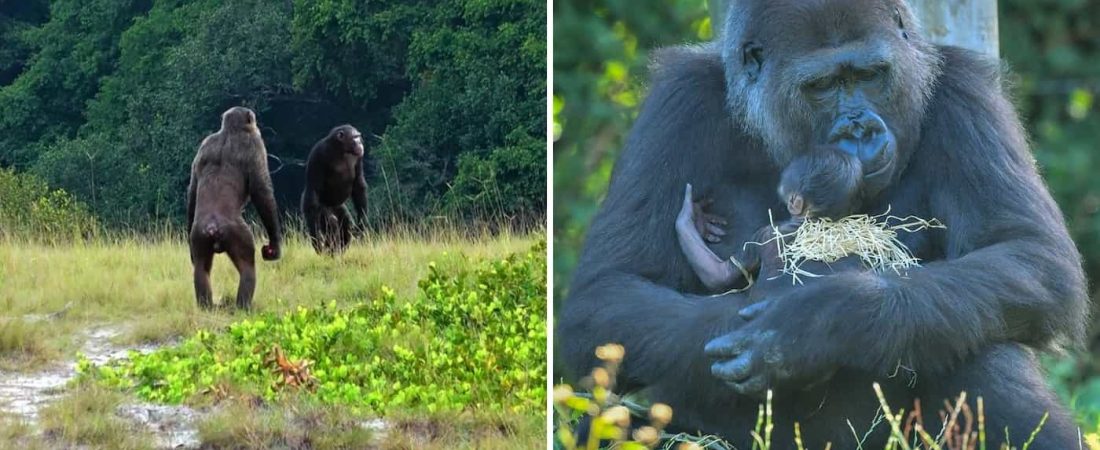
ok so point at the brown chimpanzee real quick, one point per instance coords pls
(229, 170)
(334, 172)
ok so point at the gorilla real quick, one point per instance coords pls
(334, 172)
(824, 184)
(932, 125)
(229, 170)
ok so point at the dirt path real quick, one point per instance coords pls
(25, 394)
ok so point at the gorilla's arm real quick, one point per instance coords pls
(1011, 271)
(627, 286)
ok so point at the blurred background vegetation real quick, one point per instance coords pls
(109, 99)
(601, 51)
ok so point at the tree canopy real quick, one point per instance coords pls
(109, 99)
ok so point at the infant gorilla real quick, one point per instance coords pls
(825, 183)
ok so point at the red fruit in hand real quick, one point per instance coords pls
(268, 252)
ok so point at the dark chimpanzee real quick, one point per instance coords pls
(334, 172)
(229, 170)
(1002, 280)
(824, 183)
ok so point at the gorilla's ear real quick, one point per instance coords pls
(752, 58)
(340, 135)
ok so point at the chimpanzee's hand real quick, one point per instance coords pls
(270, 252)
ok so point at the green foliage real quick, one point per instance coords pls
(474, 338)
(479, 73)
(107, 95)
(72, 51)
(1053, 47)
(601, 51)
(29, 209)
(502, 182)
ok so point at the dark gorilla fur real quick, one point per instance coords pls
(229, 170)
(1002, 280)
(334, 172)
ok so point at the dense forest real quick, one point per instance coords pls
(109, 99)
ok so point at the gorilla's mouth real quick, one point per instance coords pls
(880, 169)
(885, 152)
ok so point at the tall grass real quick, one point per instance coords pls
(142, 282)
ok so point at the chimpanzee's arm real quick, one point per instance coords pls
(359, 194)
(263, 197)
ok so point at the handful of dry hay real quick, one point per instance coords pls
(874, 239)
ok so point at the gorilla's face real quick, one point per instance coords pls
(846, 74)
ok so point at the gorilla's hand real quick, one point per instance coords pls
(270, 252)
(694, 213)
(784, 344)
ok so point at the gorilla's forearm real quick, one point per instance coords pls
(662, 331)
(947, 311)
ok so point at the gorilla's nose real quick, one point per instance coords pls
(863, 134)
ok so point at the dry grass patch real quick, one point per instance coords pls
(87, 417)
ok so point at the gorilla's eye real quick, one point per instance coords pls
(871, 74)
(819, 85)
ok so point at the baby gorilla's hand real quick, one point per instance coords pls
(693, 213)
(270, 252)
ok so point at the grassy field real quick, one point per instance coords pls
(140, 289)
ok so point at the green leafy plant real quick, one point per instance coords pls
(29, 209)
(474, 338)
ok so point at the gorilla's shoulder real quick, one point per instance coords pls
(966, 71)
(689, 65)
(685, 114)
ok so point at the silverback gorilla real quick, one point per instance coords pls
(786, 77)
(229, 169)
(334, 172)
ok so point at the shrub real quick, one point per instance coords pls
(30, 209)
(475, 338)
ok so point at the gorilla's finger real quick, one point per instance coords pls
(755, 386)
(789, 227)
(716, 219)
(754, 310)
(715, 230)
(736, 370)
(713, 239)
(728, 346)
(687, 209)
(687, 205)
